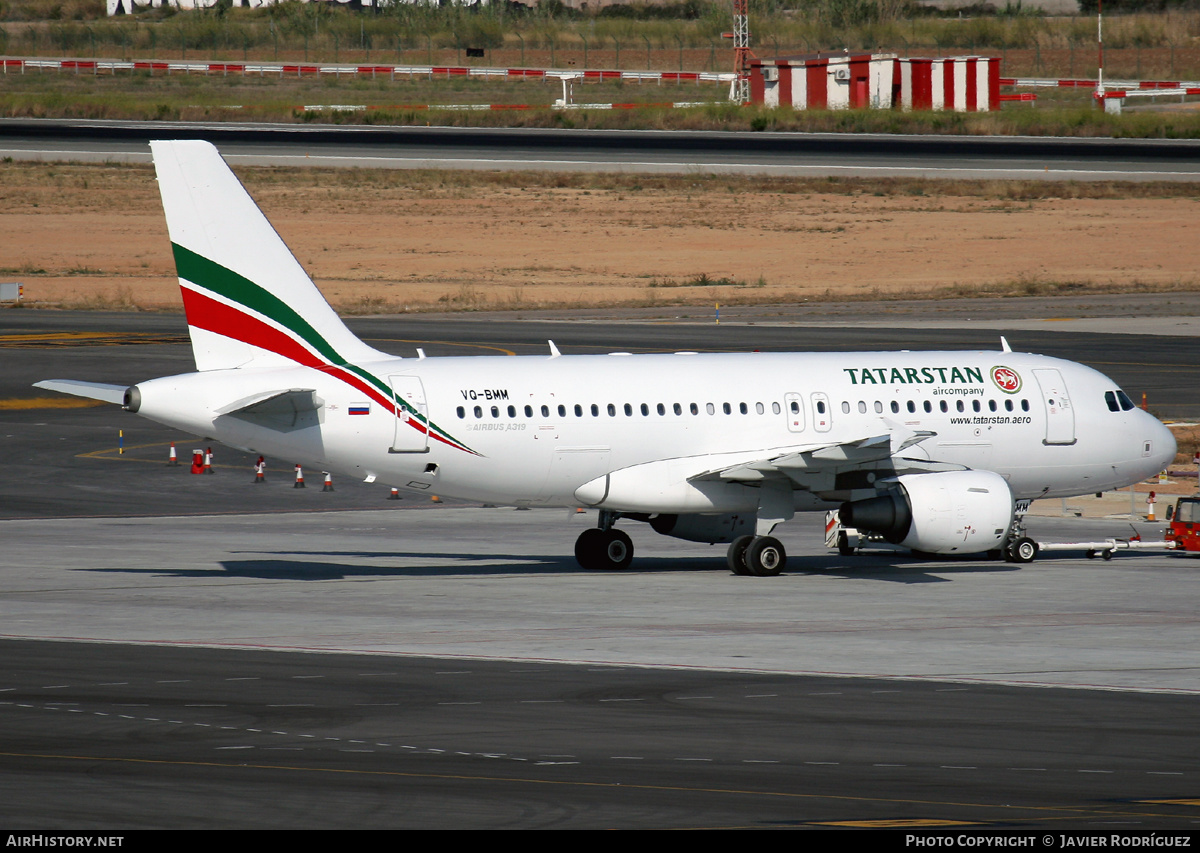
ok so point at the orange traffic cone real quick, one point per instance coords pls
(328, 487)
(299, 484)
(208, 469)
(395, 495)
(173, 459)
(260, 470)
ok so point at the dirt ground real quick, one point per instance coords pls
(80, 236)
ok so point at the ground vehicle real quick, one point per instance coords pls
(1183, 533)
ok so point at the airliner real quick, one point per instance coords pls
(937, 452)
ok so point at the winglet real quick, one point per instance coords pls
(1004, 347)
(554, 353)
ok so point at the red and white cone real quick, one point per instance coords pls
(395, 495)
(197, 461)
(328, 487)
(260, 470)
(299, 484)
(173, 459)
(208, 457)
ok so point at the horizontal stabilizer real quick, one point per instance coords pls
(91, 390)
(295, 408)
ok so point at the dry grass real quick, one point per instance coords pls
(384, 241)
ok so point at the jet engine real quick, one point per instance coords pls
(950, 512)
(704, 528)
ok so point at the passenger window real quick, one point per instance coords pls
(895, 407)
(726, 408)
(1008, 405)
(462, 413)
(595, 411)
(710, 408)
(942, 405)
(795, 407)
(1024, 405)
(960, 405)
(495, 411)
(775, 408)
(612, 410)
(677, 409)
(878, 408)
(743, 408)
(928, 407)
(694, 409)
(975, 406)
(529, 411)
(862, 407)
(991, 405)
(479, 411)
(846, 407)
(562, 411)
(545, 411)
(912, 407)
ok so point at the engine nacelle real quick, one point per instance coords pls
(950, 512)
(704, 528)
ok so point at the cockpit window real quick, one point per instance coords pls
(1126, 403)
(1110, 397)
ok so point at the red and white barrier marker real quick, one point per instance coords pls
(197, 461)
(173, 459)
(328, 487)
(395, 495)
(260, 470)
(299, 484)
(208, 458)
(1150, 499)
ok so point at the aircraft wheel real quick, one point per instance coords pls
(1090, 553)
(589, 548)
(597, 549)
(736, 556)
(1107, 554)
(765, 557)
(618, 550)
(843, 545)
(1024, 550)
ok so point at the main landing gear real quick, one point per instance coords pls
(761, 556)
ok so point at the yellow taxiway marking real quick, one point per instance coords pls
(897, 823)
(21, 403)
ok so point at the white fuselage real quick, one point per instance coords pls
(531, 430)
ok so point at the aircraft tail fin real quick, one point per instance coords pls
(248, 300)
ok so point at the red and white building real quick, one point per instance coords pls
(877, 81)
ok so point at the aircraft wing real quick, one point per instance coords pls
(91, 390)
(834, 466)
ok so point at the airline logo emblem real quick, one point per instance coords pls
(1006, 379)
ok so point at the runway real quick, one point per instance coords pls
(782, 154)
(187, 651)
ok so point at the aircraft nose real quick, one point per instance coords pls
(1164, 444)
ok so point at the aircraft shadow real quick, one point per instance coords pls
(449, 564)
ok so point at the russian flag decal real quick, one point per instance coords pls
(360, 408)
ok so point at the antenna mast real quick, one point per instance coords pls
(741, 51)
